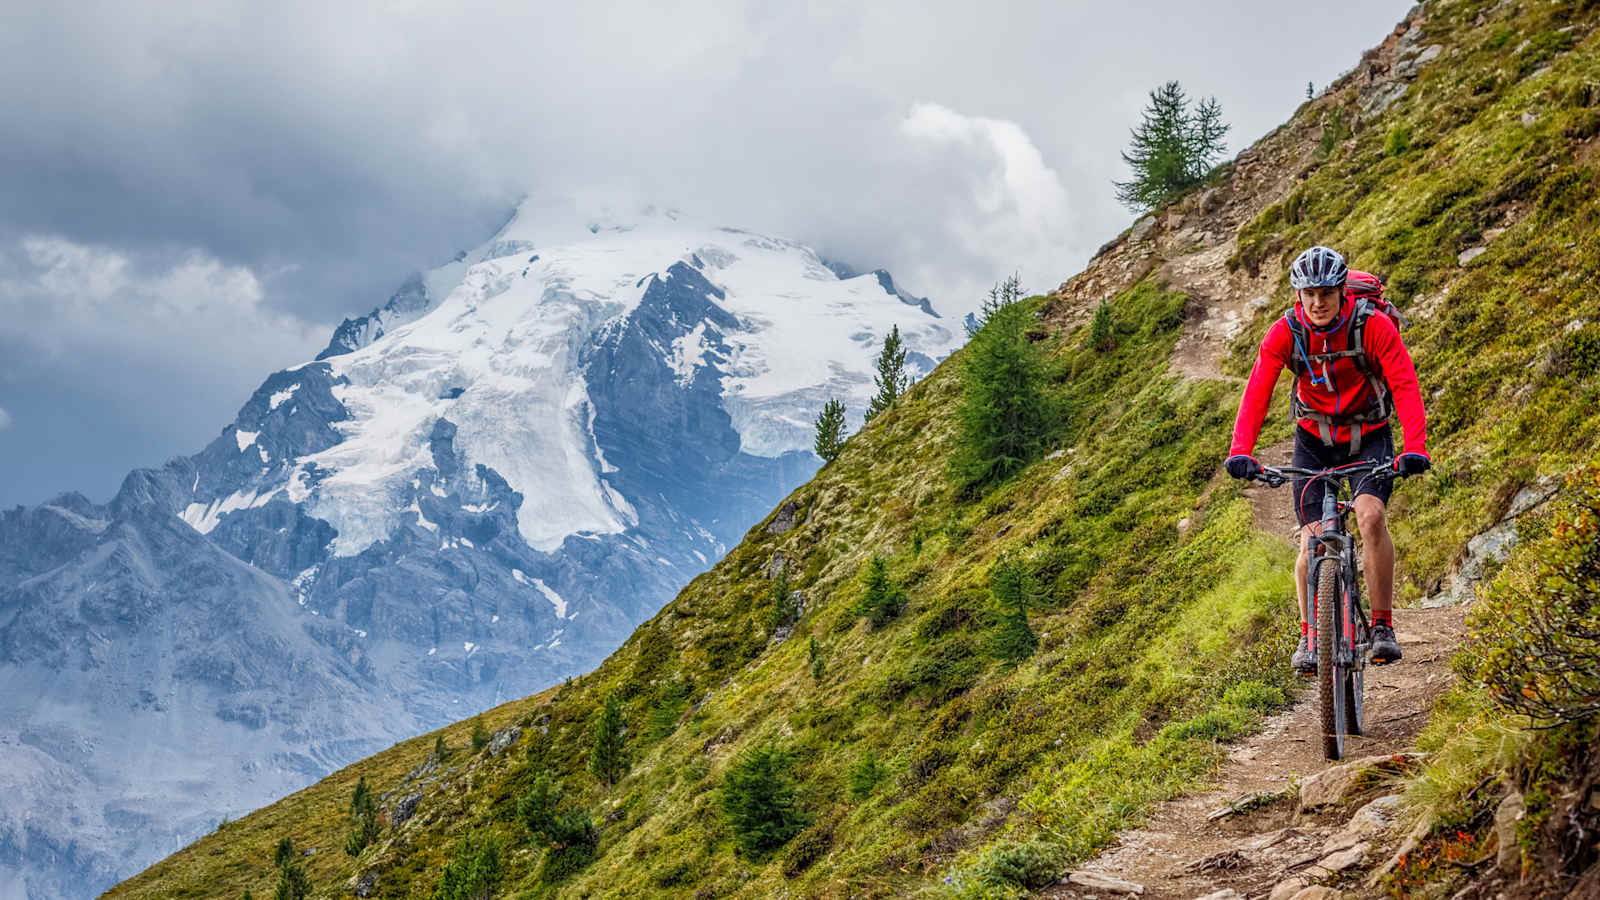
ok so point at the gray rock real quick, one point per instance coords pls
(1142, 227)
(1346, 858)
(1333, 784)
(1470, 254)
(1224, 894)
(364, 884)
(783, 519)
(1095, 881)
(404, 809)
(504, 738)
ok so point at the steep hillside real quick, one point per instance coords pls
(1459, 159)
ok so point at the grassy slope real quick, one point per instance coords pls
(1144, 628)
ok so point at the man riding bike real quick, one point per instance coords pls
(1351, 371)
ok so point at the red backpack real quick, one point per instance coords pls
(1365, 291)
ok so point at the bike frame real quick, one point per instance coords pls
(1333, 544)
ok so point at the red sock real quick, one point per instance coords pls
(1380, 620)
(1305, 629)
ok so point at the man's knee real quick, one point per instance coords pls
(1371, 515)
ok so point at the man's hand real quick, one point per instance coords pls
(1408, 464)
(1242, 466)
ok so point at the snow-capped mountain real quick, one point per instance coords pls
(477, 489)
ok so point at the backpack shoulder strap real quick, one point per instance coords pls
(1299, 364)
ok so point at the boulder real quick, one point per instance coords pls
(784, 518)
(404, 809)
(363, 884)
(1332, 785)
(1368, 821)
(1224, 894)
(504, 738)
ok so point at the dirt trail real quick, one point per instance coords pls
(1183, 852)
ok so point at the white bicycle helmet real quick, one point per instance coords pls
(1318, 267)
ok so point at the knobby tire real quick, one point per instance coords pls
(1330, 690)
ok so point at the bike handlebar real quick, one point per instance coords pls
(1277, 476)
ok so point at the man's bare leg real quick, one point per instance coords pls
(1377, 561)
(1377, 554)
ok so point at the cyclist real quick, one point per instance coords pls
(1341, 401)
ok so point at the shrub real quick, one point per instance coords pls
(805, 850)
(480, 735)
(818, 660)
(1030, 865)
(758, 798)
(1102, 329)
(1537, 633)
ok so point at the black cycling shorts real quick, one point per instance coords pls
(1311, 453)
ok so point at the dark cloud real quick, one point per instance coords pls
(325, 150)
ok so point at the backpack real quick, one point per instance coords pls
(1365, 290)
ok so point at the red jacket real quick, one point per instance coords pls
(1345, 388)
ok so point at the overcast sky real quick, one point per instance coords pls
(193, 195)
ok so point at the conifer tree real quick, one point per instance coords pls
(480, 735)
(441, 750)
(1008, 585)
(284, 852)
(1310, 91)
(818, 661)
(883, 599)
(364, 825)
(1173, 148)
(830, 430)
(758, 798)
(1004, 416)
(474, 871)
(1102, 333)
(606, 761)
(293, 883)
(891, 378)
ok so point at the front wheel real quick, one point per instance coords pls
(1330, 676)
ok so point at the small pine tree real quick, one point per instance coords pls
(1310, 91)
(480, 735)
(784, 611)
(474, 871)
(818, 661)
(865, 775)
(284, 852)
(1004, 417)
(1173, 147)
(364, 827)
(1008, 585)
(882, 599)
(758, 798)
(1102, 329)
(247, 895)
(916, 539)
(830, 431)
(606, 757)
(293, 882)
(671, 700)
(565, 831)
(441, 750)
(891, 379)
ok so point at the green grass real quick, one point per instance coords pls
(1155, 644)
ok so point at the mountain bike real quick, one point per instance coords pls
(1340, 630)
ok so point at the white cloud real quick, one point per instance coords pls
(68, 299)
(5, 419)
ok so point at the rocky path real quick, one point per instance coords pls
(1281, 821)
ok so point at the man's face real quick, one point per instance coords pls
(1321, 304)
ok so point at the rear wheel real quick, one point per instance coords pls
(1330, 677)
